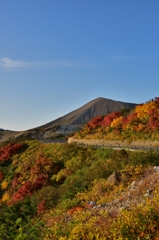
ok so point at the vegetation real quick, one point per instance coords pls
(66, 191)
(45, 190)
(142, 122)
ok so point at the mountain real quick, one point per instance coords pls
(99, 106)
(70, 122)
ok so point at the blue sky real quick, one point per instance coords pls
(57, 55)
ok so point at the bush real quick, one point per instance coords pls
(49, 193)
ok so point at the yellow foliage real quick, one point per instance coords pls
(142, 109)
(140, 127)
(140, 222)
(14, 162)
(116, 122)
(5, 197)
(4, 185)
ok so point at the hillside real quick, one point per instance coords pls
(140, 123)
(65, 191)
(68, 123)
(69, 192)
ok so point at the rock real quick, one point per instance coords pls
(156, 168)
(94, 207)
(90, 204)
(115, 178)
(133, 184)
(146, 195)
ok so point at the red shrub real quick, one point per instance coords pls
(42, 206)
(132, 118)
(95, 122)
(24, 190)
(14, 183)
(9, 150)
(39, 182)
(153, 122)
(109, 118)
(1, 176)
(75, 209)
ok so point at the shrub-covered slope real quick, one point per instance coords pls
(142, 122)
(65, 191)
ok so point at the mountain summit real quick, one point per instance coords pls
(70, 122)
(97, 107)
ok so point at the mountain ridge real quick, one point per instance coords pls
(70, 122)
(98, 106)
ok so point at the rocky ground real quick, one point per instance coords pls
(137, 192)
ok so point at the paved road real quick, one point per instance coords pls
(127, 147)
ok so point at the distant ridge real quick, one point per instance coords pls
(70, 122)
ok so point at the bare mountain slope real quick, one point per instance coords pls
(99, 106)
(69, 122)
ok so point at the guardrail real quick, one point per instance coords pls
(54, 141)
(119, 146)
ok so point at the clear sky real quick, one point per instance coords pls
(57, 55)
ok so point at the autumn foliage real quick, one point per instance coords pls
(9, 150)
(140, 122)
(1, 176)
(42, 206)
(46, 189)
